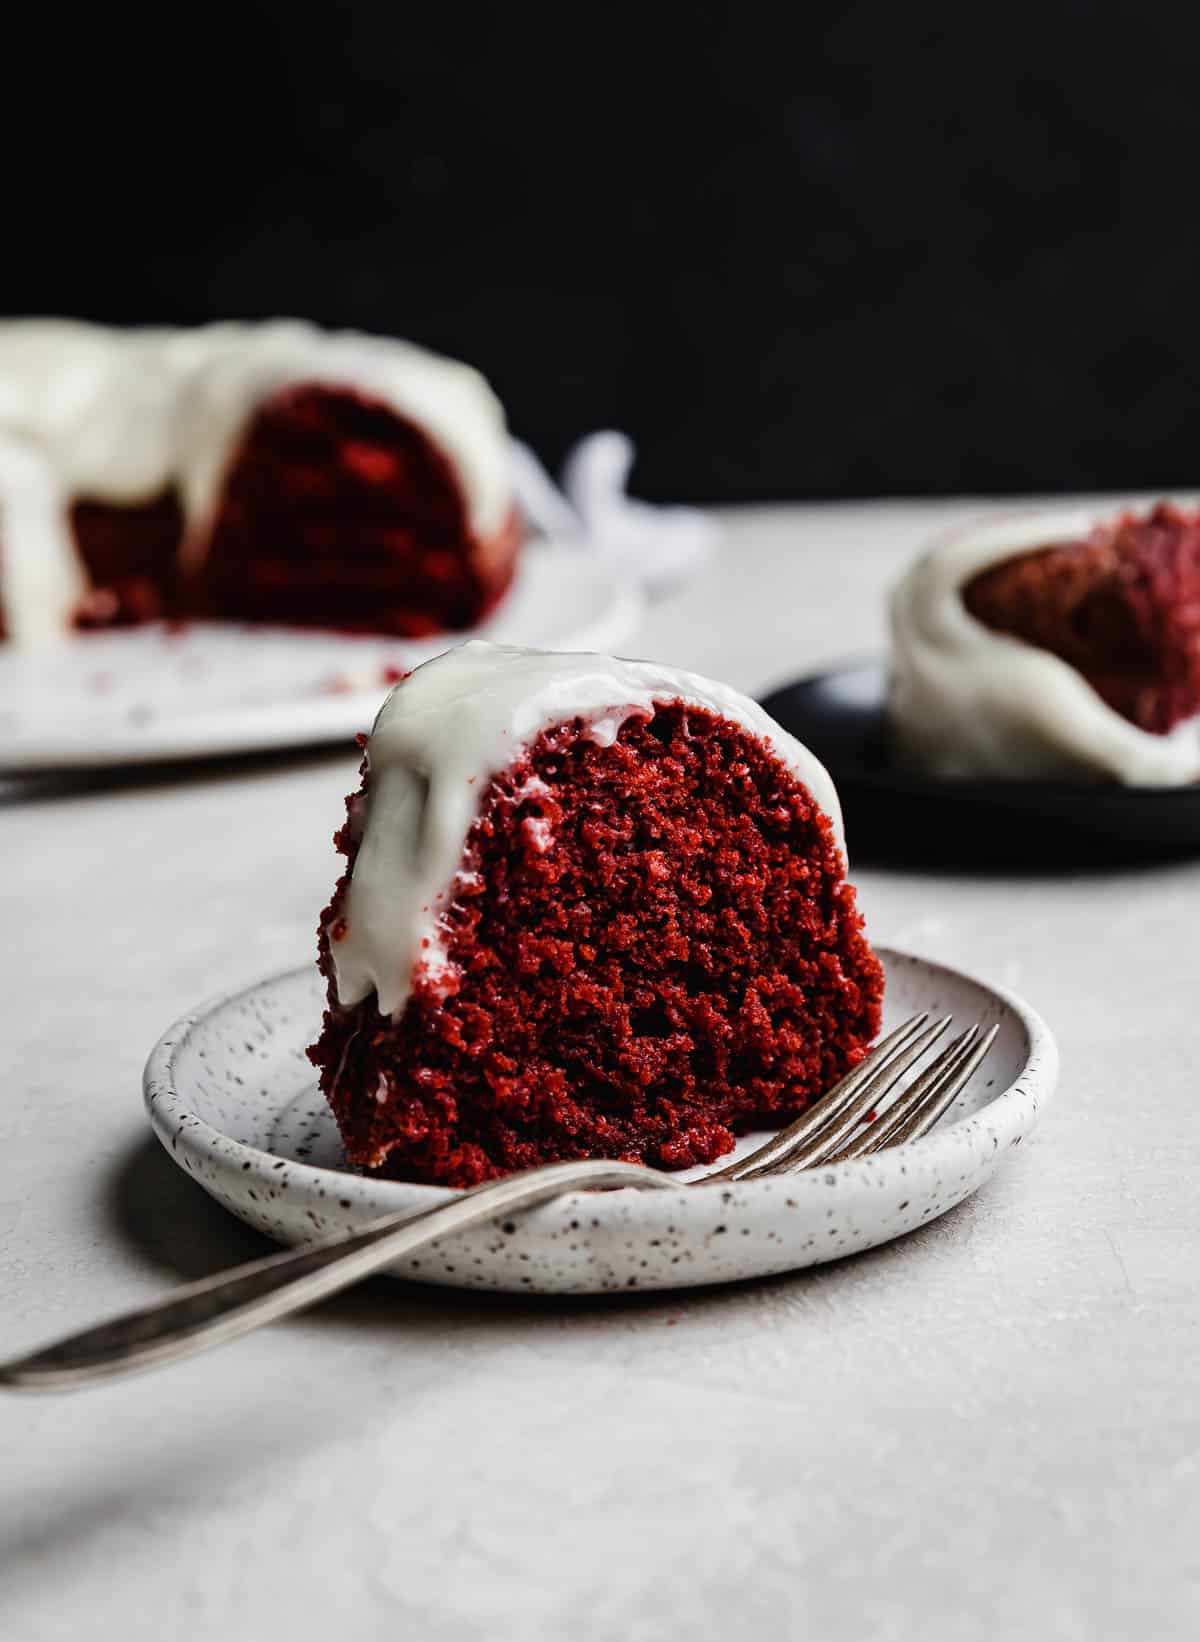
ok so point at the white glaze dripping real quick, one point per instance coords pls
(440, 738)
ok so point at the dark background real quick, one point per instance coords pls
(796, 251)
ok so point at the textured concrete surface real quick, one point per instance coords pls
(990, 1430)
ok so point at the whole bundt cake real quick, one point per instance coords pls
(252, 472)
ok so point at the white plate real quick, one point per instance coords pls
(234, 1101)
(146, 694)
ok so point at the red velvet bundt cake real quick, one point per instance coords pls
(591, 908)
(1122, 606)
(264, 473)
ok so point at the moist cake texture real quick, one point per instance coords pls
(647, 944)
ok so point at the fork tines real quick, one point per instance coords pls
(869, 1109)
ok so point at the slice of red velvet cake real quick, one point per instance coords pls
(592, 908)
(1058, 646)
(1121, 606)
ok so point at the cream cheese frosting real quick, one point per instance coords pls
(441, 736)
(39, 571)
(966, 701)
(117, 416)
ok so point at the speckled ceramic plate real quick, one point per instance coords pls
(149, 694)
(233, 1099)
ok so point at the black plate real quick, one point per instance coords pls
(895, 814)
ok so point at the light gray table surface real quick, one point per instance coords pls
(990, 1429)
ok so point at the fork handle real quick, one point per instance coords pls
(220, 1308)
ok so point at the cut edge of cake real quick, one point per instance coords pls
(968, 701)
(102, 429)
(592, 907)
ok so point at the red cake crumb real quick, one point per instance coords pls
(652, 949)
(336, 512)
(1122, 607)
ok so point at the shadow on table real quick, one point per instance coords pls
(170, 1222)
(168, 1219)
(45, 1535)
(56, 786)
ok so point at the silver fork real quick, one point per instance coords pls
(851, 1120)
